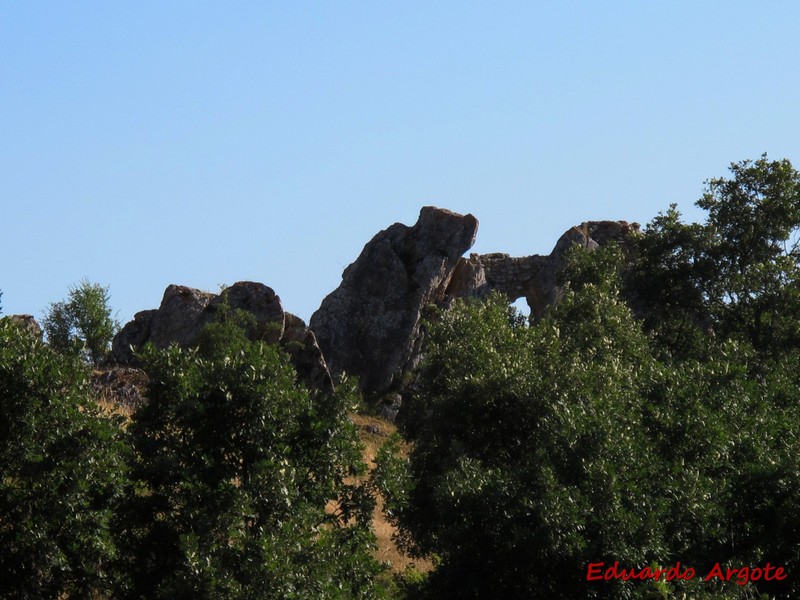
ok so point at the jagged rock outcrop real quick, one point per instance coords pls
(27, 323)
(181, 317)
(184, 312)
(300, 344)
(368, 325)
(532, 277)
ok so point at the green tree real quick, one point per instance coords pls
(240, 481)
(550, 446)
(529, 464)
(734, 277)
(60, 472)
(726, 445)
(82, 323)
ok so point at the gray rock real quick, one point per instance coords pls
(372, 429)
(27, 323)
(181, 316)
(184, 312)
(260, 301)
(121, 386)
(368, 325)
(390, 405)
(300, 343)
(133, 336)
(535, 277)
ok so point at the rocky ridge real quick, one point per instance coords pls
(369, 326)
(185, 311)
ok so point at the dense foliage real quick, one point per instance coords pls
(82, 324)
(232, 481)
(239, 481)
(60, 474)
(554, 446)
(735, 276)
(650, 418)
(587, 438)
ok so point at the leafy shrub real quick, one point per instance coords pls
(82, 323)
(240, 481)
(550, 446)
(60, 474)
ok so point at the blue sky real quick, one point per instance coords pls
(203, 143)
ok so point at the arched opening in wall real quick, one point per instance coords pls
(521, 304)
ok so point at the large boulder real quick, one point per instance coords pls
(133, 336)
(535, 277)
(368, 326)
(181, 317)
(26, 323)
(300, 343)
(258, 300)
(184, 312)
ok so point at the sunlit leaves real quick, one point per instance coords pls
(580, 438)
(247, 472)
(82, 324)
(60, 474)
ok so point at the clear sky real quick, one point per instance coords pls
(202, 143)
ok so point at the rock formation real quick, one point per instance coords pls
(531, 277)
(300, 344)
(184, 312)
(368, 325)
(27, 323)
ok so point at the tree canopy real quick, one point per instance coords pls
(61, 474)
(650, 417)
(82, 323)
(247, 475)
(736, 276)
